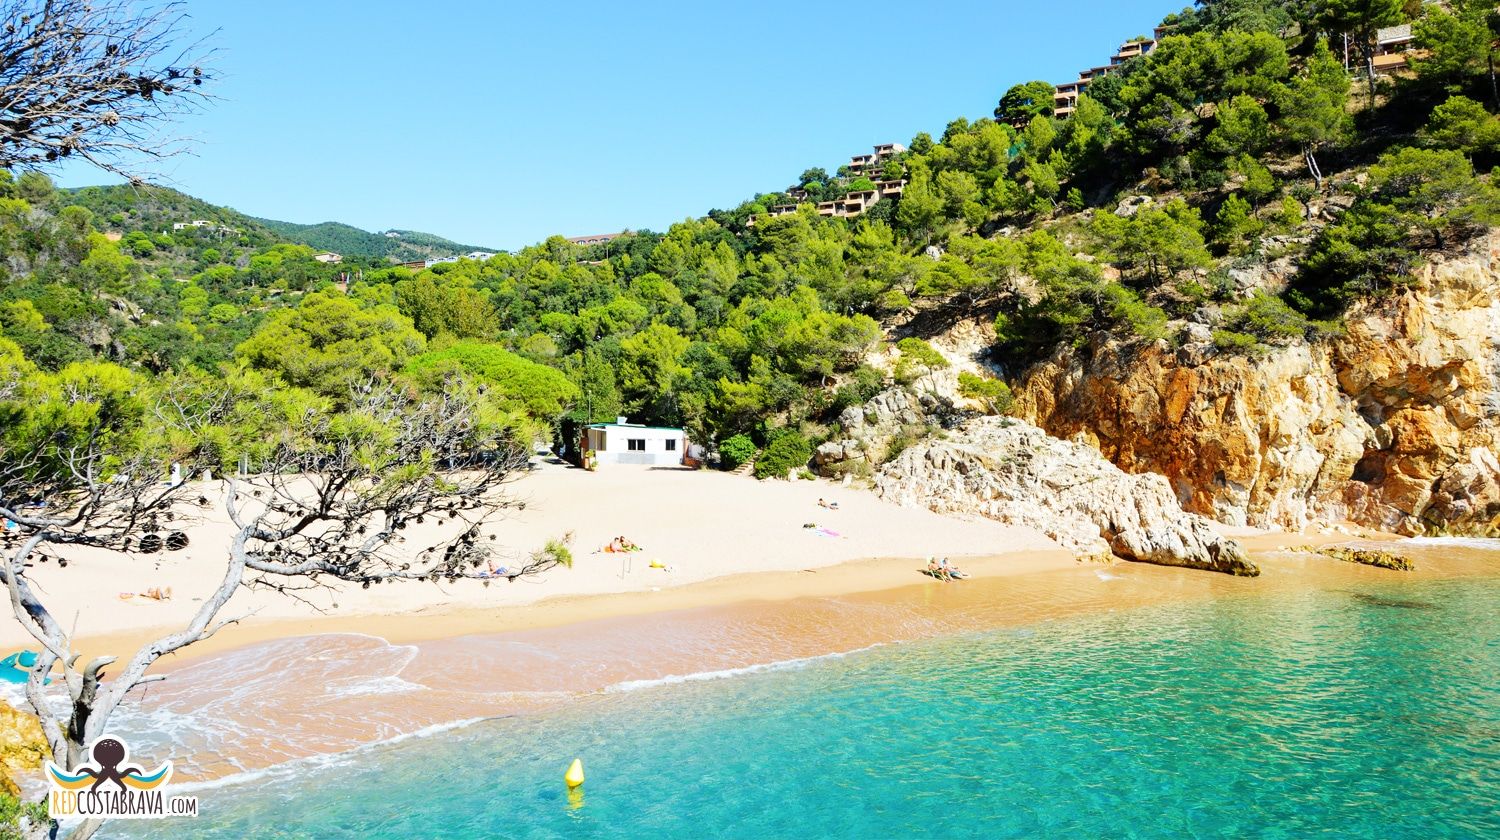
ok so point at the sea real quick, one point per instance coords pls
(1366, 706)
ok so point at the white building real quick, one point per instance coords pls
(481, 256)
(328, 257)
(630, 443)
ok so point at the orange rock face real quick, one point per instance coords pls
(1395, 425)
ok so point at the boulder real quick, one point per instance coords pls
(1014, 472)
(23, 748)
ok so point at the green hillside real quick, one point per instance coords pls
(404, 246)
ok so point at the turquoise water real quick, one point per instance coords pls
(1372, 712)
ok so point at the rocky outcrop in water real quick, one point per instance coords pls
(23, 748)
(1394, 425)
(1014, 472)
(1363, 556)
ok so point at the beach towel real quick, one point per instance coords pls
(826, 532)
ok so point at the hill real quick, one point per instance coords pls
(395, 245)
(153, 210)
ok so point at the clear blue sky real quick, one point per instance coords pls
(499, 124)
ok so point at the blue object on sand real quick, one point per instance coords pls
(16, 668)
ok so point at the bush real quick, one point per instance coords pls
(917, 359)
(13, 809)
(865, 382)
(994, 393)
(1267, 319)
(786, 452)
(735, 451)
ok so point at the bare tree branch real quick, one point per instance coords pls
(96, 79)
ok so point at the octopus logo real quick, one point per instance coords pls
(113, 787)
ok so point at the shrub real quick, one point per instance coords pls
(917, 358)
(12, 809)
(787, 451)
(865, 382)
(994, 393)
(735, 451)
(904, 439)
(1230, 341)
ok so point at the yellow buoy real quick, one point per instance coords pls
(574, 776)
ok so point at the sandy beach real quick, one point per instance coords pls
(745, 537)
(745, 585)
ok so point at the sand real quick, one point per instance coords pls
(745, 536)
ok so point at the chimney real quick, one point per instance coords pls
(619, 421)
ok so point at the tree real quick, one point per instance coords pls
(1360, 20)
(1243, 128)
(1451, 46)
(96, 79)
(335, 490)
(1464, 125)
(1025, 101)
(1313, 111)
(817, 175)
(1236, 225)
(330, 344)
(513, 382)
(436, 305)
(650, 364)
(919, 210)
(1161, 240)
(1435, 190)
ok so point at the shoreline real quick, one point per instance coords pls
(362, 680)
(428, 622)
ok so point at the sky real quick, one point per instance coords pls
(498, 124)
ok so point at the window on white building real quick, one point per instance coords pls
(671, 445)
(636, 444)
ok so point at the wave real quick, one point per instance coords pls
(324, 761)
(375, 685)
(1457, 542)
(727, 673)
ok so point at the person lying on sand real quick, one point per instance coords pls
(155, 593)
(953, 572)
(829, 505)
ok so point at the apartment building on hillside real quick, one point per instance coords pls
(1065, 96)
(596, 239)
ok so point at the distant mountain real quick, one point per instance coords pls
(155, 209)
(397, 245)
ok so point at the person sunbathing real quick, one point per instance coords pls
(953, 572)
(937, 571)
(827, 504)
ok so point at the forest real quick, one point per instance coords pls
(1247, 135)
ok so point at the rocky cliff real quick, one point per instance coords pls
(1394, 425)
(23, 749)
(1014, 472)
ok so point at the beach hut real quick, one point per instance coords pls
(622, 442)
